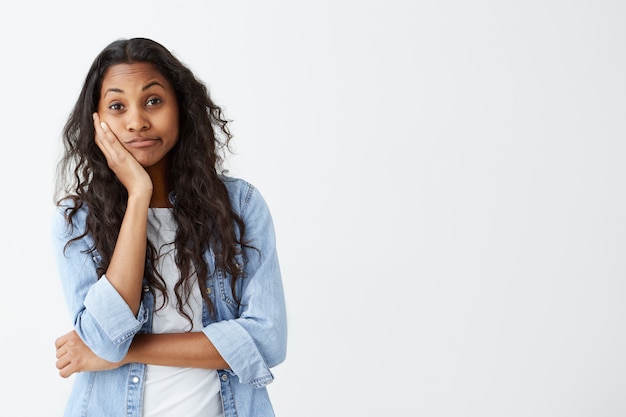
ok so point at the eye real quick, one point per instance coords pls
(116, 106)
(153, 101)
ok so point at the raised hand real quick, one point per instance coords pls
(130, 172)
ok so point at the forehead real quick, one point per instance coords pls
(137, 74)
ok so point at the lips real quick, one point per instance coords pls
(141, 142)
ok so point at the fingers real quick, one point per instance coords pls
(105, 138)
(63, 347)
(123, 164)
(65, 338)
(60, 341)
(114, 152)
(65, 367)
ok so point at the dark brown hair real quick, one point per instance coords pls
(202, 209)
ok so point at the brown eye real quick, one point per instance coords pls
(154, 101)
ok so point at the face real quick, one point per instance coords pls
(140, 107)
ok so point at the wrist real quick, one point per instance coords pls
(131, 355)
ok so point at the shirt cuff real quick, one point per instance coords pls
(112, 313)
(240, 352)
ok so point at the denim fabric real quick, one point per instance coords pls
(251, 337)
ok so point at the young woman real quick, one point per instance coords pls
(168, 266)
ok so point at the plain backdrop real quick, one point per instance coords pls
(447, 181)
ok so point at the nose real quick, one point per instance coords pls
(137, 121)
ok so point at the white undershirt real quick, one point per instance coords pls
(174, 391)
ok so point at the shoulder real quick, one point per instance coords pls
(61, 221)
(238, 189)
(244, 197)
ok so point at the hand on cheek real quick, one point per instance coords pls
(130, 172)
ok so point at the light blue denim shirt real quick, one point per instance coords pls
(251, 337)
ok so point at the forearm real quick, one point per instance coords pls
(192, 350)
(126, 269)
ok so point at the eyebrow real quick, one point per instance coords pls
(146, 87)
(152, 84)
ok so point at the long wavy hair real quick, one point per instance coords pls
(202, 210)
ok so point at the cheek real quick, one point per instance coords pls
(114, 125)
(173, 127)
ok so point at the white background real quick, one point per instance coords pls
(447, 180)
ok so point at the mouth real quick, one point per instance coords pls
(141, 142)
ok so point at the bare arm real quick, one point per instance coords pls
(192, 350)
(125, 271)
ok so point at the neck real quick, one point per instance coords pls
(159, 173)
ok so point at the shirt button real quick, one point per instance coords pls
(224, 377)
(135, 379)
(146, 289)
(208, 291)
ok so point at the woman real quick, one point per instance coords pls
(168, 266)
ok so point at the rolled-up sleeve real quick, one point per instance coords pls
(100, 316)
(256, 340)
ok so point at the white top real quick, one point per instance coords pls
(174, 391)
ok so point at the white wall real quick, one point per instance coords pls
(447, 181)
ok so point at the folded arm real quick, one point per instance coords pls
(192, 350)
